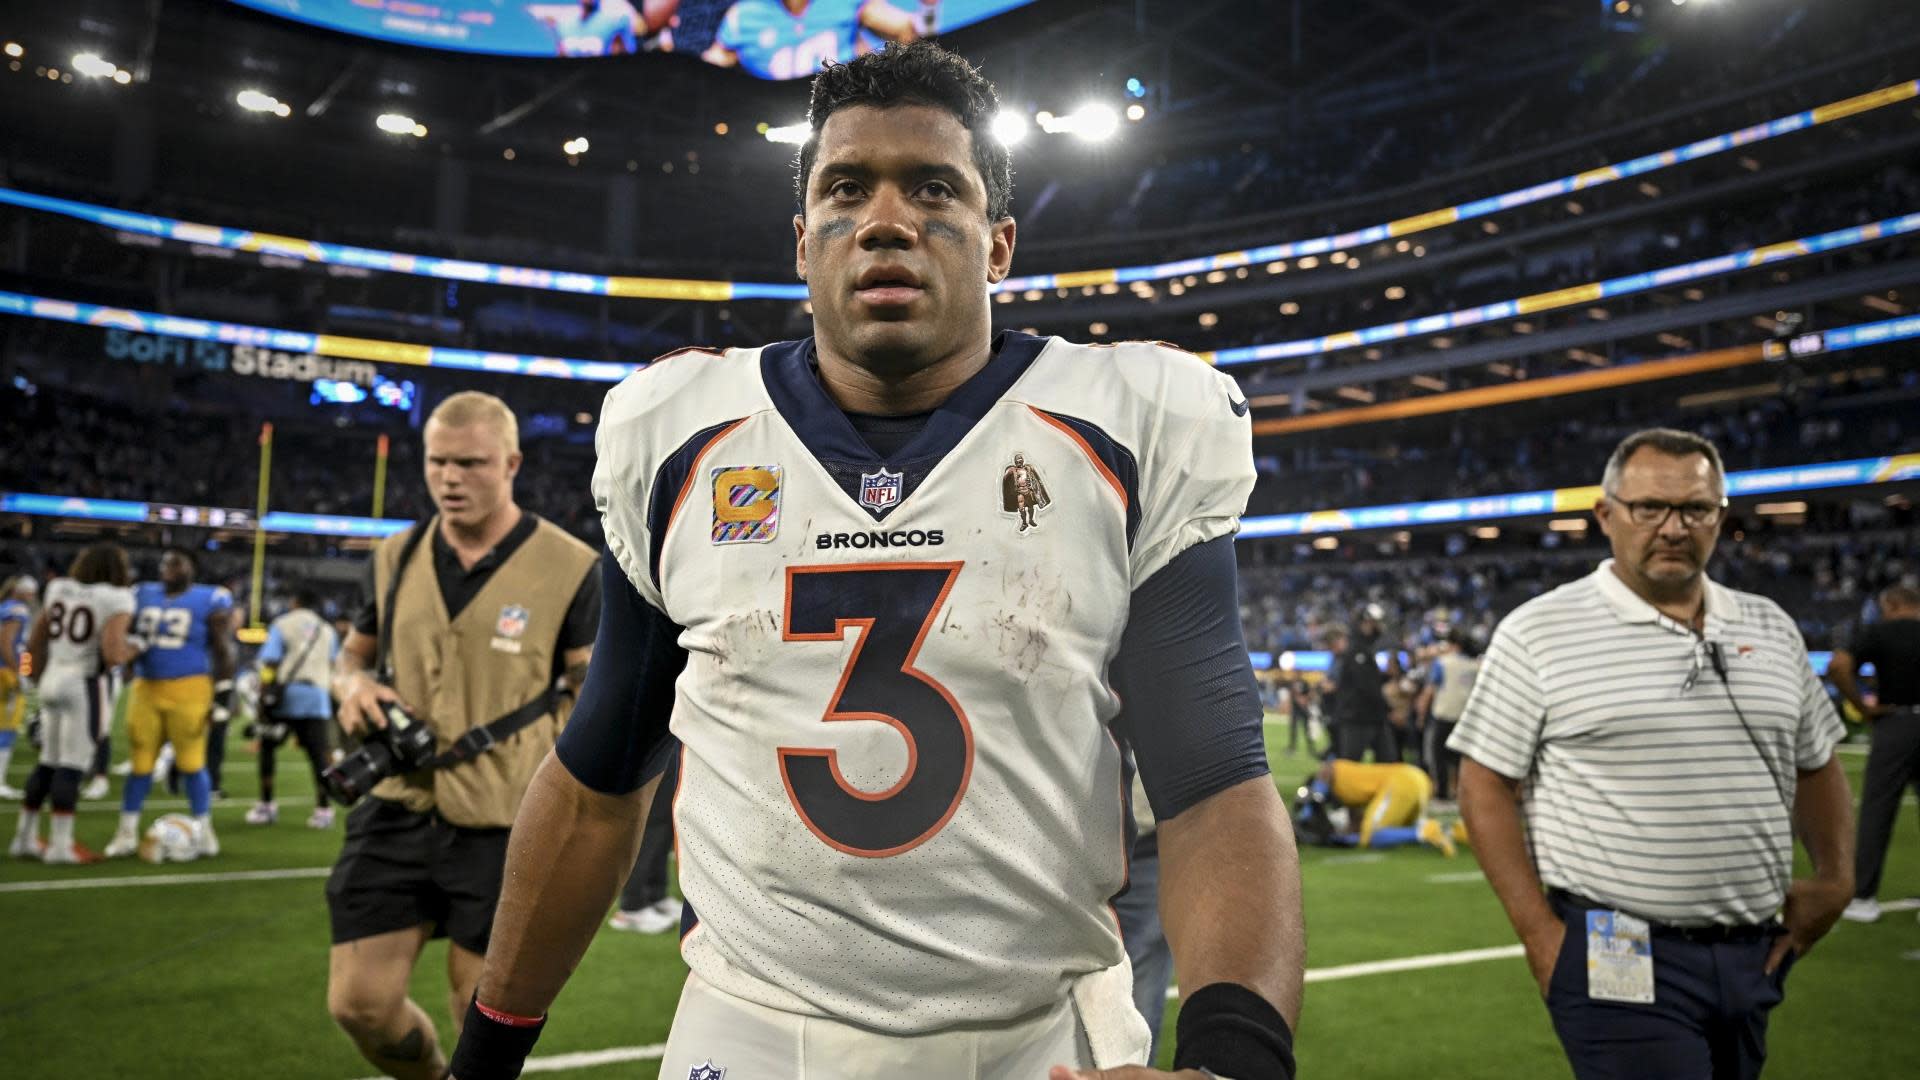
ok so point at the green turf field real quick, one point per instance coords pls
(217, 979)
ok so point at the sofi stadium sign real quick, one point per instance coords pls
(255, 360)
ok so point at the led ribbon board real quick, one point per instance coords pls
(1861, 471)
(761, 37)
(1883, 470)
(298, 341)
(692, 289)
(1591, 292)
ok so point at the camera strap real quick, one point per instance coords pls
(382, 668)
(478, 740)
(482, 739)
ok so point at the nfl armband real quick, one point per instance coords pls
(494, 1045)
(1227, 1030)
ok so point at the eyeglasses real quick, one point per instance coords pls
(1653, 513)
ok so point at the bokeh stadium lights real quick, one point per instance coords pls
(261, 102)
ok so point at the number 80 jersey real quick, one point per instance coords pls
(900, 804)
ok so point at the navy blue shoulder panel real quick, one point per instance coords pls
(787, 369)
(1189, 708)
(669, 487)
(618, 737)
(1117, 458)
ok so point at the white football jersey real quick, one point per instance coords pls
(76, 616)
(900, 805)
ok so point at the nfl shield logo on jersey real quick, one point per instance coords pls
(709, 1071)
(879, 491)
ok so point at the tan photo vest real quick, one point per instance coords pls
(465, 672)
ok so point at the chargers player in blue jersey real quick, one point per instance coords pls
(16, 612)
(790, 39)
(185, 632)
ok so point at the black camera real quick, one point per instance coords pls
(404, 745)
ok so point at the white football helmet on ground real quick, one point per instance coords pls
(171, 838)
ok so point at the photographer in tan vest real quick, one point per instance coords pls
(474, 625)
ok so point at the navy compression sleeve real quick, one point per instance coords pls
(1188, 703)
(617, 738)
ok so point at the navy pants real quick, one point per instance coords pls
(1708, 1019)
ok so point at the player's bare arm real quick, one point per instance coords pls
(1230, 903)
(1823, 820)
(220, 630)
(572, 848)
(1230, 895)
(37, 637)
(116, 643)
(1490, 803)
(1844, 671)
(355, 686)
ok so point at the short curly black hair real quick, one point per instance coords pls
(917, 73)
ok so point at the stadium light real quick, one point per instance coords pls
(576, 146)
(1093, 122)
(255, 101)
(92, 66)
(16, 50)
(1136, 111)
(794, 134)
(395, 123)
(1010, 127)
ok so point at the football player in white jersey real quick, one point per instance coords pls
(81, 632)
(903, 700)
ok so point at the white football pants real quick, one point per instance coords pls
(717, 1036)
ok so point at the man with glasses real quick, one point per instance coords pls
(1663, 738)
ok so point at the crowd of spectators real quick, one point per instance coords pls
(1826, 580)
(1487, 453)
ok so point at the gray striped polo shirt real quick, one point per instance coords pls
(1642, 791)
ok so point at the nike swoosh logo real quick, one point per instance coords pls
(1239, 407)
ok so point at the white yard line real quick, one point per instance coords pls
(1458, 877)
(56, 885)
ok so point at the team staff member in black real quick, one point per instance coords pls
(1892, 646)
(482, 616)
(1359, 692)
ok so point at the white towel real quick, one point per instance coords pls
(1116, 1031)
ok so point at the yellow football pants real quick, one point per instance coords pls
(1400, 802)
(169, 711)
(13, 700)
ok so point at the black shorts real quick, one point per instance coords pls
(399, 869)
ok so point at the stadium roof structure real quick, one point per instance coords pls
(1225, 68)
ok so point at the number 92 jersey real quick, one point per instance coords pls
(900, 804)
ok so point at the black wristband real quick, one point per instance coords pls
(490, 1049)
(1230, 1030)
